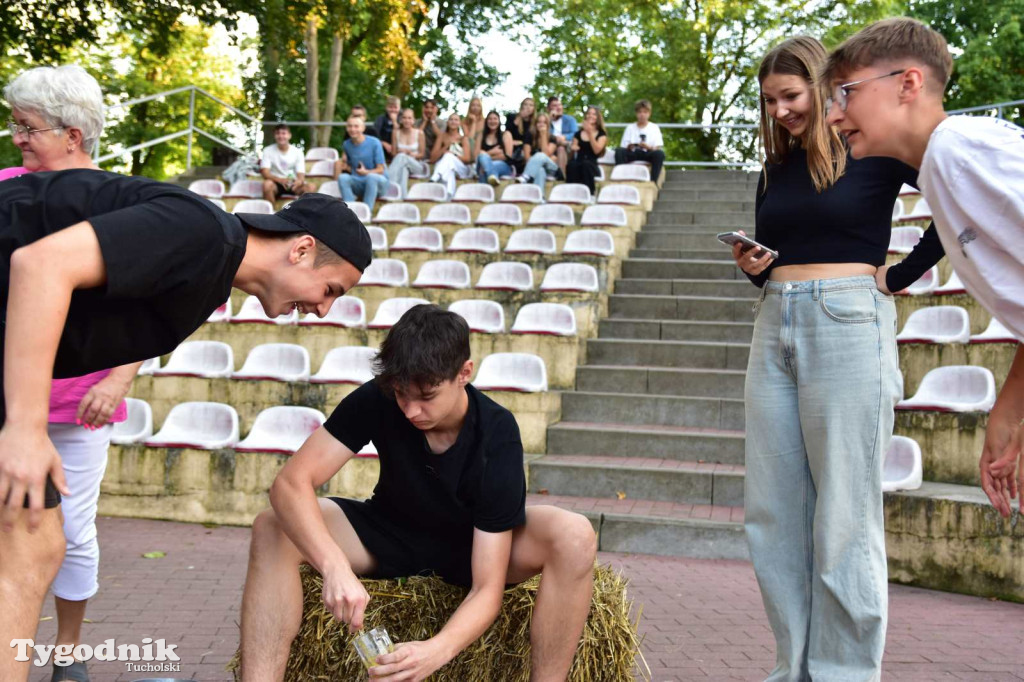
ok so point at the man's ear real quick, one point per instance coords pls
(465, 373)
(303, 248)
(911, 84)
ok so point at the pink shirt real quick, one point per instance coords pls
(66, 394)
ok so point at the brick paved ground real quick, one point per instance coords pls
(703, 620)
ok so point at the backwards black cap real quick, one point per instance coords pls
(326, 218)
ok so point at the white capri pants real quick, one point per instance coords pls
(450, 167)
(84, 454)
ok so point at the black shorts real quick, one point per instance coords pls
(280, 189)
(401, 553)
(51, 498)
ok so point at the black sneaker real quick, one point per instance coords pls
(559, 175)
(75, 672)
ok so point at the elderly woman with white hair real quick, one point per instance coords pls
(57, 118)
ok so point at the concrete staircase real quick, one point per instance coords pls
(650, 445)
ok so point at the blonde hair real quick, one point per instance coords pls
(892, 40)
(537, 132)
(802, 56)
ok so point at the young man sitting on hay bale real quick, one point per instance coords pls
(450, 500)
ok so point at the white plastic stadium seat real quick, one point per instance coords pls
(254, 206)
(557, 319)
(378, 238)
(392, 193)
(958, 388)
(570, 277)
(398, 213)
(907, 190)
(361, 210)
(346, 311)
(427, 191)
(531, 240)
(246, 189)
(252, 312)
(897, 209)
(608, 158)
(626, 195)
(137, 427)
(276, 362)
(211, 189)
(921, 211)
(283, 428)
(321, 169)
(522, 194)
(475, 240)
(904, 239)
(369, 450)
(198, 425)
(331, 189)
(474, 192)
(483, 316)
(631, 173)
(604, 216)
(996, 332)
(455, 214)
(346, 365)
(499, 214)
(391, 310)
(552, 214)
(953, 285)
(443, 274)
(219, 203)
(600, 177)
(570, 193)
(222, 313)
(522, 372)
(209, 359)
(937, 324)
(506, 276)
(418, 239)
(589, 243)
(902, 469)
(148, 367)
(924, 285)
(385, 272)
(322, 154)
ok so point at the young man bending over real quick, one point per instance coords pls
(887, 83)
(450, 500)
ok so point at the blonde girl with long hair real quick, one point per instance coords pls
(822, 377)
(539, 153)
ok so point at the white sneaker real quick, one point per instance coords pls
(523, 179)
(493, 180)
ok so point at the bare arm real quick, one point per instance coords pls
(467, 149)
(440, 146)
(506, 142)
(421, 140)
(417, 660)
(1001, 455)
(43, 276)
(598, 144)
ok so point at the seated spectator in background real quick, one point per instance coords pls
(283, 167)
(642, 141)
(386, 124)
(587, 147)
(563, 127)
(517, 132)
(410, 144)
(538, 153)
(491, 162)
(473, 121)
(428, 123)
(361, 168)
(452, 154)
(369, 130)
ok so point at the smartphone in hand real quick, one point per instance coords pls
(731, 238)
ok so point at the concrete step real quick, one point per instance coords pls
(653, 411)
(683, 174)
(630, 440)
(708, 220)
(658, 480)
(650, 353)
(718, 383)
(661, 528)
(672, 203)
(671, 330)
(710, 308)
(669, 238)
(721, 254)
(691, 269)
(687, 287)
(729, 193)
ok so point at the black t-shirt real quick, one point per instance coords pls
(850, 222)
(586, 149)
(170, 257)
(477, 483)
(524, 136)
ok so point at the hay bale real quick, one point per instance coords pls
(417, 608)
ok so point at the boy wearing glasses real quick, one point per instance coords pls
(888, 81)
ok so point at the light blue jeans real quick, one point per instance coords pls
(486, 166)
(538, 168)
(822, 380)
(367, 186)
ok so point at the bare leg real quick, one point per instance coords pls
(69, 620)
(561, 546)
(269, 190)
(272, 599)
(28, 564)
(562, 159)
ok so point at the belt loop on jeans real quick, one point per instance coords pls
(817, 284)
(760, 299)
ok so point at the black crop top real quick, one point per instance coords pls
(850, 222)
